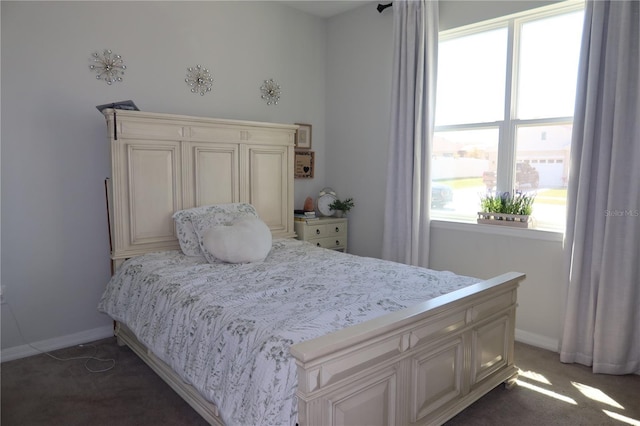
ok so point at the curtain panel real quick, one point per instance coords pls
(408, 192)
(602, 242)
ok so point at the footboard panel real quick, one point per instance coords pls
(421, 365)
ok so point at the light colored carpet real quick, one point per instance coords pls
(42, 391)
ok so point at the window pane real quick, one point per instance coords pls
(460, 159)
(548, 68)
(542, 167)
(471, 78)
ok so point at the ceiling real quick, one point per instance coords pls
(325, 8)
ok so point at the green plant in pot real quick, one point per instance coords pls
(341, 207)
(514, 203)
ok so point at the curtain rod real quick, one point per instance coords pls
(382, 7)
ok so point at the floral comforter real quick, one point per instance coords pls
(226, 328)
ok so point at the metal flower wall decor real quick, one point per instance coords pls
(199, 79)
(108, 66)
(270, 92)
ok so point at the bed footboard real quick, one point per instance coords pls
(421, 365)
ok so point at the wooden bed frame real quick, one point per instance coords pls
(421, 365)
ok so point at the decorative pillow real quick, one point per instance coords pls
(220, 213)
(242, 241)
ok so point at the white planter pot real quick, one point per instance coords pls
(503, 219)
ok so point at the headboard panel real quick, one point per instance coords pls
(162, 163)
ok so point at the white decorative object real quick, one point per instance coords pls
(199, 79)
(245, 240)
(108, 66)
(270, 92)
(326, 197)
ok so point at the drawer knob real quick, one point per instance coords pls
(337, 242)
(318, 244)
(317, 231)
(337, 229)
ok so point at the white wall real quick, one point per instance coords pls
(359, 46)
(55, 155)
(485, 251)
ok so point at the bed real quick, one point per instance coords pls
(319, 346)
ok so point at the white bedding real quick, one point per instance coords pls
(226, 328)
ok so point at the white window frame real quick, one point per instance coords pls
(507, 128)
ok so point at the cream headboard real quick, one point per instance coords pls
(162, 163)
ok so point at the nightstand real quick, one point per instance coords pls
(327, 232)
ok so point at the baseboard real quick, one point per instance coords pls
(537, 340)
(24, 351)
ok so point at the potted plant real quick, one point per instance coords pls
(341, 207)
(510, 209)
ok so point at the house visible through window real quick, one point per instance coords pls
(504, 112)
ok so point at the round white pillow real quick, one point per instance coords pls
(244, 240)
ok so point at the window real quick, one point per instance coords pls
(504, 112)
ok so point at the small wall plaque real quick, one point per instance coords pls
(304, 164)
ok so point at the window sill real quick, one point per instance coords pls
(530, 233)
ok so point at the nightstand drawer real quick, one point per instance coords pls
(325, 230)
(334, 243)
(336, 229)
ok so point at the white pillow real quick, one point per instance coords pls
(242, 241)
(216, 214)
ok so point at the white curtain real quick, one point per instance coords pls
(602, 324)
(408, 198)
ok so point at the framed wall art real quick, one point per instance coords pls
(303, 136)
(304, 164)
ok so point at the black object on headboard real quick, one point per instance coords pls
(126, 105)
